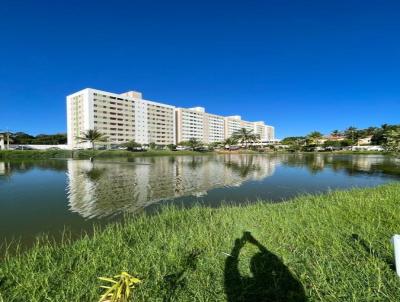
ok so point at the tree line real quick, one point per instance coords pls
(243, 136)
(387, 136)
(22, 138)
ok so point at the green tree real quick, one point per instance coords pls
(192, 143)
(92, 136)
(314, 138)
(352, 134)
(245, 136)
(392, 137)
(290, 140)
(295, 143)
(331, 143)
(21, 138)
(132, 145)
(379, 137)
(171, 147)
(336, 133)
(230, 141)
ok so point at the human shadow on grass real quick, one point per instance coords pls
(372, 252)
(271, 281)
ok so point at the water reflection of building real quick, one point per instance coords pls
(2, 168)
(5, 169)
(104, 188)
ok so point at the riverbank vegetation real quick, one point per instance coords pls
(86, 154)
(331, 247)
(384, 138)
(22, 138)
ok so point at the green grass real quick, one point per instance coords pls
(34, 154)
(332, 247)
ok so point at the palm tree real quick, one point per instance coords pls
(192, 143)
(92, 136)
(230, 141)
(245, 136)
(314, 137)
(392, 137)
(132, 145)
(336, 133)
(352, 134)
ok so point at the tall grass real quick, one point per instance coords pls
(335, 245)
(34, 154)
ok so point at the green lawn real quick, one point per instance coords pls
(333, 247)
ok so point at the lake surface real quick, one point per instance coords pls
(53, 195)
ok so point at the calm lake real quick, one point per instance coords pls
(53, 195)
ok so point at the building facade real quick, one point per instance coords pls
(120, 117)
(235, 123)
(196, 123)
(2, 142)
(127, 116)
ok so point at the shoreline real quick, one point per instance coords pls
(321, 239)
(86, 154)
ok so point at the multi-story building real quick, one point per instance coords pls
(120, 117)
(215, 128)
(269, 133)
(196, 123)
(1, 142)
(265, 132)
(235, 123)
(127, 116)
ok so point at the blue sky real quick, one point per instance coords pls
(298, 65)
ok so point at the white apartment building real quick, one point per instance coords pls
(269, 133)
(127, 116)
(196, 123)
(235, 123)
(2, 142)
(120, 117)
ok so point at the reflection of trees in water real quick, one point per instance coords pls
(109, 188)
(243, 167)
(23, 166)
(95, 174)
(8, 168)
(195, 162)
(313, 163)
(350, 164)
(102, 189)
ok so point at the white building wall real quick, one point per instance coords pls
(78, 117)
(141, 126)
(270, 133)
(140, 120)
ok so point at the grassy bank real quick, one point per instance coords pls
(332, 247)
(34, 154)
(82, 154)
